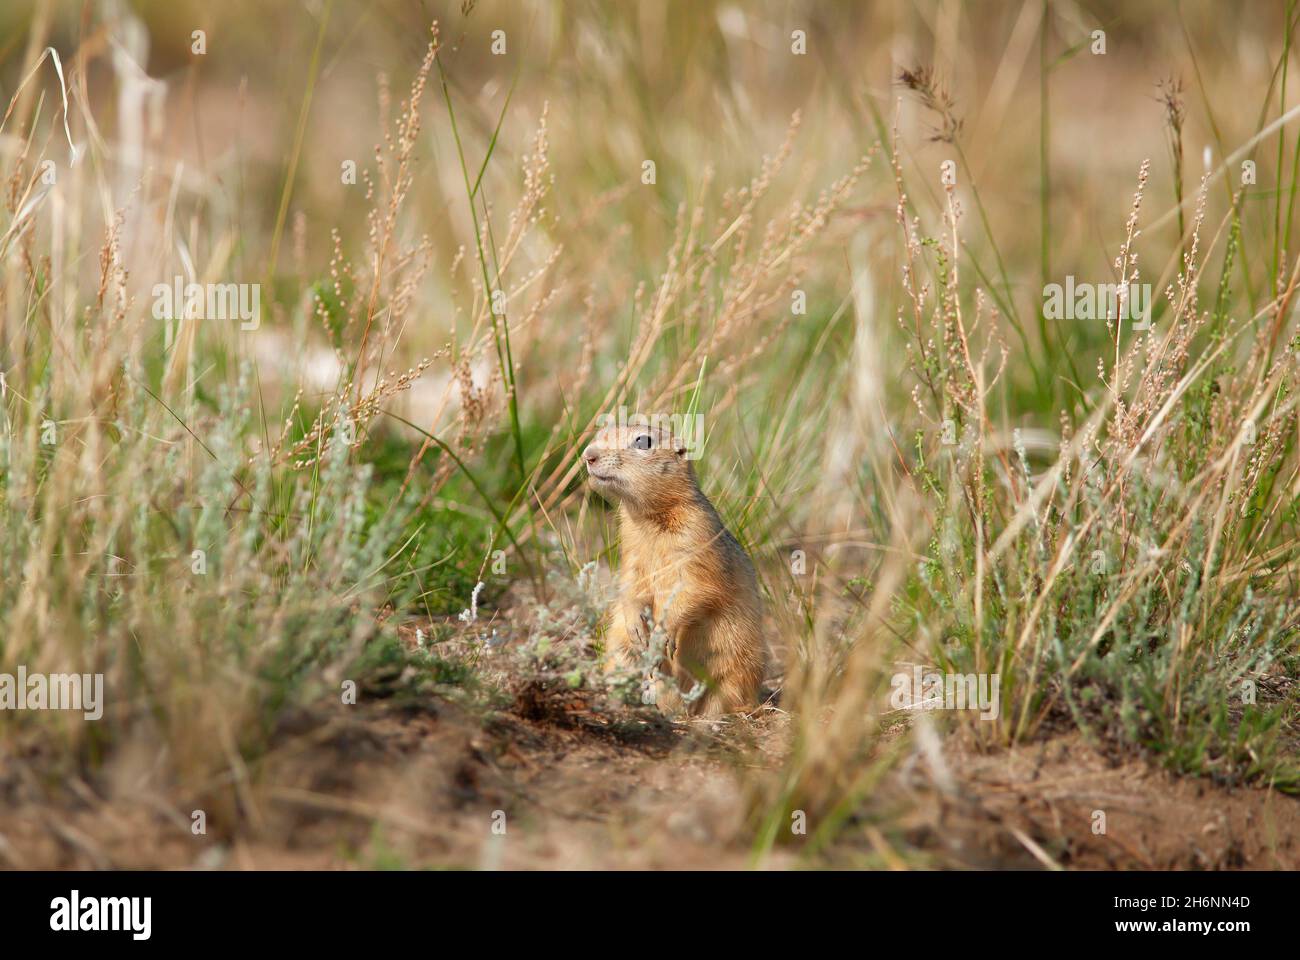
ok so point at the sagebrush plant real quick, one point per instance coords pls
(157, 527)
(1128, 569)
(1140, 580)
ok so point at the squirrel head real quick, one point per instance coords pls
(644, 468)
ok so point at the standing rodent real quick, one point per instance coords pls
(682, 565)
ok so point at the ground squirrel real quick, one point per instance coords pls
(679, 563)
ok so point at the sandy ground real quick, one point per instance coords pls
(546, 784)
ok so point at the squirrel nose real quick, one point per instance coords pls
(590, 455)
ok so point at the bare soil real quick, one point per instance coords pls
(410, 786)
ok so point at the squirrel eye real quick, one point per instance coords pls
(642, 442)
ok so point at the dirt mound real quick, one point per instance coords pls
(1063, 803)
(550, 783)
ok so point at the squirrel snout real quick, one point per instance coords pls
(590, 455)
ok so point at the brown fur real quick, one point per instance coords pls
(682, 565)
